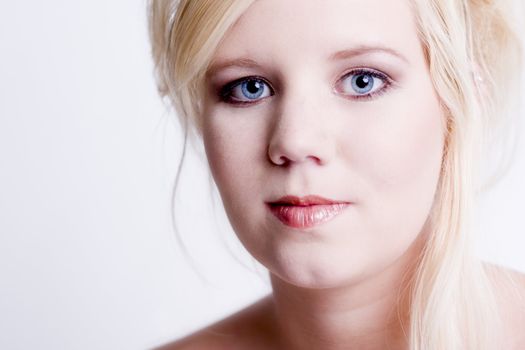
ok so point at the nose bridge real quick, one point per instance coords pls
(301, 129)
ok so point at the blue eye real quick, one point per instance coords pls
(246, 90)
(364, 83)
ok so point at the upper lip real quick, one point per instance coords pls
(305, 201)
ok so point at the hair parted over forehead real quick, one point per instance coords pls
(474, 58)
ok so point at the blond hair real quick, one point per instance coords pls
(473, 54)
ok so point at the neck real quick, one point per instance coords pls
(370, 314)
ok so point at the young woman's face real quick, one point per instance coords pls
(331, 98)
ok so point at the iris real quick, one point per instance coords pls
(362, 83)
(252, 89)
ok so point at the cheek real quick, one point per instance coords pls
(232, 145)
(235, 149)
(398, 157)
(408, 150)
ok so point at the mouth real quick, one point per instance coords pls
(305, 212)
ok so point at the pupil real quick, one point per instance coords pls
(362, 81)
(253, 87)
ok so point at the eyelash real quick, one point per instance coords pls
(225, 93)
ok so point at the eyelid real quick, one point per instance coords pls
(369, 71)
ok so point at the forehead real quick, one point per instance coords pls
(287, 30)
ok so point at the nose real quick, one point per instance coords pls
(301, 133)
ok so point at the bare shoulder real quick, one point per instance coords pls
(249, 328)
(510, 292)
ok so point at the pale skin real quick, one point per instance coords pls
(307, 129)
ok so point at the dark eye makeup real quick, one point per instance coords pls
(248, 90)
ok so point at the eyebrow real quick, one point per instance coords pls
(339, 55)
(239, 62)
(364, 50)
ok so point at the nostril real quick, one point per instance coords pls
(289, 148)
(316, 160)
(282, 160)
(285, 161)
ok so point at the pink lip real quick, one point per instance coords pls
(307, 211)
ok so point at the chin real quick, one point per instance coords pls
(316, 274)
(315, 282)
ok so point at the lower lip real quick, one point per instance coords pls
(306, 216)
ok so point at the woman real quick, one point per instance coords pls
(345, 138)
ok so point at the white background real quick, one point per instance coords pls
(88, 259)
